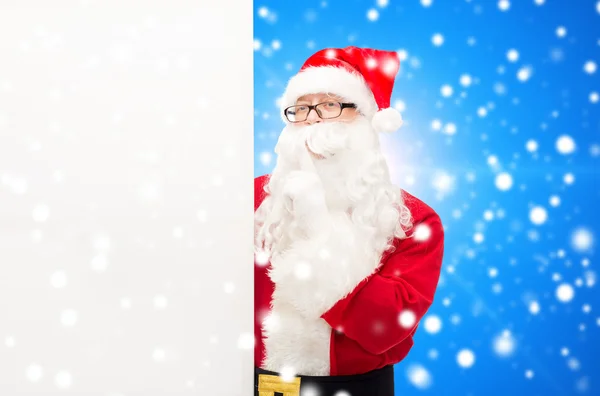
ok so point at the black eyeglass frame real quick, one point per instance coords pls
(343, 105)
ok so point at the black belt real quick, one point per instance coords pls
(378, 382)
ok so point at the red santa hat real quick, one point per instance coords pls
(360, 75)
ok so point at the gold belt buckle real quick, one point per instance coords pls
(269, 384)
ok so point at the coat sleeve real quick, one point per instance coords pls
(386, 308)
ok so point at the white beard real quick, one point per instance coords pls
(354, 175)
(363, 204)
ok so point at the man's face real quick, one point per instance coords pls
(321, 108)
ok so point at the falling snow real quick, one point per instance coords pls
(40, 213)
(504, 181)
(565, 144)
(534, 307)
(419, 376)
(504, 344)
(590, 67)
(34, 372)
(565, 292)
(422, 232)
(538, 215)
(373, 15)
(524, 73)
(63, 379)
(433, 324)
(246, 341)
(569, 178)
(465, 358)
(500, 139)
(9, 341)
(407, 319)
(68, 317)
(503, 5)
(446, 90)
(582, 240)
(58, 279)
(512, 55)
(466, 80)
(554, 201)
(449, 129)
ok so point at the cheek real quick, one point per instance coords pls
(348, 114)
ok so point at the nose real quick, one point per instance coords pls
(313, 117)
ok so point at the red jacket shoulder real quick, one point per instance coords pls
(419, 210)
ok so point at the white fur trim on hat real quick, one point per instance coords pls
(329, 79)
(387, 120)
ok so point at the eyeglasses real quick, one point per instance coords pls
(325, 110)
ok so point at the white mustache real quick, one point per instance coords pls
(327, 139)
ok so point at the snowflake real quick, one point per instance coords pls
(419, 376)
(504, 181)
(512, 55)
(432, 324)
(538, 215)
(246, 341)
(465, 358)
(63, 379)
(582, 239)
(565, 144)
(422, 232)
(446, 90)
(287, 374)
(407, 319)
(34, 372)
(590, 67)
(449, 129)
(569, 178)
(565, 292)
(504, 344)
(465, 80)
(534, 307)
(436, 125)
(524, 73)
(372, 15)
(503, 5)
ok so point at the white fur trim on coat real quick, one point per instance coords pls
(294, 342)
(334, 80)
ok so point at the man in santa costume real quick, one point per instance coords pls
(346, 263)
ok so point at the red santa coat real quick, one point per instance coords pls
(366, 333)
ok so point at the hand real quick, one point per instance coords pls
(304, 195)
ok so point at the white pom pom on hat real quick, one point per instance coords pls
(363, 76)
(387, 120)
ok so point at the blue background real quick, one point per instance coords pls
(498, 262)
